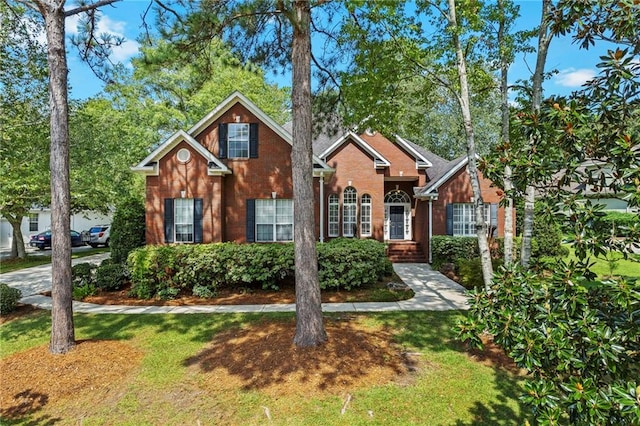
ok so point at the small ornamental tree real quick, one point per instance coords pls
(577, 335)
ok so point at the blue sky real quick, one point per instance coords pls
(575, 66)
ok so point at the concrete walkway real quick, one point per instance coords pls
(433, 292)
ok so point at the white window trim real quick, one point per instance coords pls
(349, 213)
(275, 219)
(176, 224)
(230, 152)
(472, 221)
(365, 215)
(334, 201)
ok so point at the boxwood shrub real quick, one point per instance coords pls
(9, 297)
(448, 249)
(202, 269)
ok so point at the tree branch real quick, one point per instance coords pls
(88, 7)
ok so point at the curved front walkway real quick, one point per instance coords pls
(433, 292)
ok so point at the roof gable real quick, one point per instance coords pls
(237, 97)
(149, 165)
(421, 160)
(378, 160)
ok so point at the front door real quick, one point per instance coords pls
(396, 222)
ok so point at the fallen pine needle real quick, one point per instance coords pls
(346, 403)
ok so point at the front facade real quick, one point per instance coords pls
(229, 179)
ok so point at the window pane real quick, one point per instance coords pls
(349, 212)
(274, 220)
(365, 215)
(238, 140)
(33, 222)
(183, 218)
(334, 216)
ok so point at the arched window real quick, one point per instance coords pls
(349, 211)
(334, 215)
(397, 197)
(365, 215)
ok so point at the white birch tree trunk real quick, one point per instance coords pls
(472, 168)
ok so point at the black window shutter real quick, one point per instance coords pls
(168, 220)
(251, 220)
(449, 219)
(197, 220)
(253, 140)
(222, 140)
(494, 219)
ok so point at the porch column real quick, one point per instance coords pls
(322, 207)
(430, 228)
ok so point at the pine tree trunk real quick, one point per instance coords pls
(472, 168)
(62, 328)
(309, 323)
(544, 39)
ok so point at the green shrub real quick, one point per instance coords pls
(127, 229)
(166, 271)
(83, 290)
(350, 263)
(617, 224)
(469, 272)
(448, 249)
(9, 297)
(82, 274)
(578, 339)
(110, 277)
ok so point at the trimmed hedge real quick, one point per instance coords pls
(202, 269)
(9, 297)
(448, 249)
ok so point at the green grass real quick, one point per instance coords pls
(451, 388)
(43, 259)
(614, 265)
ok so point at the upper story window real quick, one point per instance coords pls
(238, 140)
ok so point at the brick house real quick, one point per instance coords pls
(228, 178)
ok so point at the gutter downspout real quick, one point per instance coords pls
(322, 207)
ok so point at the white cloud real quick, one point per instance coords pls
(571, 77)
(106, 25)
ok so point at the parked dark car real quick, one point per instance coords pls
(43, 240)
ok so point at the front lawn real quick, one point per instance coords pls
(389, 368)
(11, 265)
(614, 264)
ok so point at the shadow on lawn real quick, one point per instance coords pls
(433, 331)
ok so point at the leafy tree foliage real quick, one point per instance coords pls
(578, 335)
(24, 163)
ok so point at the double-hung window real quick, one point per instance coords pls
(464, 218)
(183, 220)
(33, 222)
(238, 140)
(274, 220)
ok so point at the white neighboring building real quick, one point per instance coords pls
(39, 220)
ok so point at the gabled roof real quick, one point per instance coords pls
(421, 161)
(237, 97)
(149, 165)
(446, 170)
(378, 160)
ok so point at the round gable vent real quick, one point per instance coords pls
(183, 155)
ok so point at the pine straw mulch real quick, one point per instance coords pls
(35, 378)
(251, 296)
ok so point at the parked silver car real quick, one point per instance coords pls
(99, 235)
